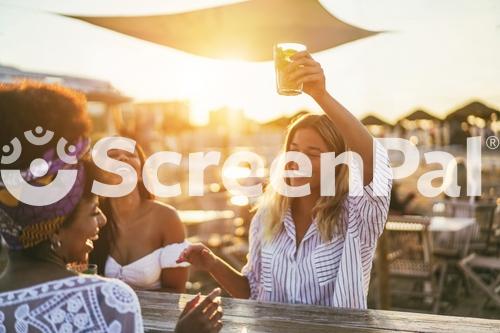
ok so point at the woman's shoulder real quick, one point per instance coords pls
(160, 209)
(167, 222)
(68, 285)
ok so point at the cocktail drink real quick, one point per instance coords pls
(282, 54)
(83, 268)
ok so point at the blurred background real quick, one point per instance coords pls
(421, 70)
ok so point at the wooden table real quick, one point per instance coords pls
(451, 224)
(460, 229)
(160, 312)
(194, 217)
(207, 225)
(484, 211)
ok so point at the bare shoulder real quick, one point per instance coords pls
(160, 209)
(168, 222)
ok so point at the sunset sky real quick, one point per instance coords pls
(436, 55)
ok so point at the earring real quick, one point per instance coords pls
(54, 246)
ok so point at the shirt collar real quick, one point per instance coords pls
(290, 227)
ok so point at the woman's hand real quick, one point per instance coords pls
(304, 69)
(199, 256)
(204, 317)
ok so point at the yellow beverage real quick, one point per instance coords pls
(282, 54)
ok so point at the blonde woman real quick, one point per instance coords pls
(313, 249)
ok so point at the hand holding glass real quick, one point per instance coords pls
(282, 58)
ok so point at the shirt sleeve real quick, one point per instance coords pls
(370, 206)
(253, 266)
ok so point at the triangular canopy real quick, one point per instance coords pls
(246, 30)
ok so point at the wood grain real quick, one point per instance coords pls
(161, 310)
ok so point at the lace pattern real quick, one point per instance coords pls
(75, 304)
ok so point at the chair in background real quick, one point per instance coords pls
(484, 212)
(451, 247)
(409, 256)
(495, 234)
(484, 272)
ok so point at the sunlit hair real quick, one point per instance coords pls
(328, 210)
(24, 105)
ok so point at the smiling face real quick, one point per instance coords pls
(309, 142)
(78, 235)
(133, 159)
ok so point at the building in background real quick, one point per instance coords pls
(104, 101)
(154, 124)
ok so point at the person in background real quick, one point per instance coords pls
(400, 206)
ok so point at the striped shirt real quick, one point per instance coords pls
(334, 273)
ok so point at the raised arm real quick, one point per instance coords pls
(304, 69)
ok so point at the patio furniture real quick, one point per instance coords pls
(483, 212)
(409, 256)
(488, 280)
(451, 238)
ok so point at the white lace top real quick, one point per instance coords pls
(145, 273)
(76, 304)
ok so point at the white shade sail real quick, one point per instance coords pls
(246, 30)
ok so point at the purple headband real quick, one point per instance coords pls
(23, 225)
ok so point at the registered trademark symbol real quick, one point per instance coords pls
(492, 142)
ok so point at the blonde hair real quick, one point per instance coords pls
(328, 211)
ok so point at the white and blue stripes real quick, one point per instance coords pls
(335, 273)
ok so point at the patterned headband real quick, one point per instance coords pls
(24, 225)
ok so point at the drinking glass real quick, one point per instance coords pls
(282, 54)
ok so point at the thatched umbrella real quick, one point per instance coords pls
(284, 121)
(421, 115)
(475, 108)
(373, 120)
(246, 30)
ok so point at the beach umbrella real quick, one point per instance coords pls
(475, 108)
(421, 115)
(284, 121)
(373, 120)
(246, 30)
